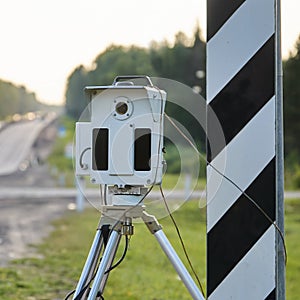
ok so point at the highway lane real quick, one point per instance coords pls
(25, 221)
(16, 142)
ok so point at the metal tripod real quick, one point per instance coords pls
(116, 220)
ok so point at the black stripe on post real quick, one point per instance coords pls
(243, 97)
(218, 12)
(272, 295)
(240, 227)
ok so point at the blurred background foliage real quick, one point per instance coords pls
(183, 61)
(17, 100)
(179, 62)
(291, 103)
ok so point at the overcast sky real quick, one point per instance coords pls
(43, 41)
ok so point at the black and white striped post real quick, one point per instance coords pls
(245, 257)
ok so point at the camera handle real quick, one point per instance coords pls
(127, 77)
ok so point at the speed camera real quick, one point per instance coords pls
(123, 141)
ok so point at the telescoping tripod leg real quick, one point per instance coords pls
(105, 263)
(89, 266)
(156, 229)
(101, 240)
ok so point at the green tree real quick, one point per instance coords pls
(119, 60)
(75, 101)
(115, 60)
(291, 87)
(292, 103)
(16, 99)
(183, 61)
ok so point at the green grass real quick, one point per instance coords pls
(172, 180)
(292, 234)
(60, 165)
(144, 274)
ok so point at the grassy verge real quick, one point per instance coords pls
(174, 180)
(144, 274)
(292, 234)
(61, 165)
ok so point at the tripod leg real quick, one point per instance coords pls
(178, 265)
(104, 265)
(110, 262)
(89, 266)
(164, 243)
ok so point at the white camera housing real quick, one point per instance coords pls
(123, 142)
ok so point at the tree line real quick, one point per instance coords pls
(291, 104)
(16, 100)
(181, 62)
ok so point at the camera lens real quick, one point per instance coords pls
(121, 108)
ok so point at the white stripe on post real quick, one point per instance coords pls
(237, 41)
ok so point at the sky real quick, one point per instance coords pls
(43, 41)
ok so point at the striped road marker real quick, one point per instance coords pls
(242, 90)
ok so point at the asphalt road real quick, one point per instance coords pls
(25, 221)
(17, 143)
